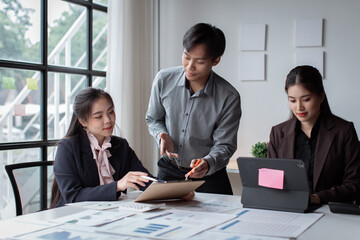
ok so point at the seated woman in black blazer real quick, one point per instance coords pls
(90, 163)
(327, 144)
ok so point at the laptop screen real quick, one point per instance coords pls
(272, 183)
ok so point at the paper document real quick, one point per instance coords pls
(65, 233)
(270, 223)
(169, 224)
(97, 205)
(7, 229)
(210, 234)
(91, 217)
(212, 206)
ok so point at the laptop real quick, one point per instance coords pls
(264, 188)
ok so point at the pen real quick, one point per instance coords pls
(153, 179)
(192, 170)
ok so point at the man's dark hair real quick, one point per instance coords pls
(211, 36)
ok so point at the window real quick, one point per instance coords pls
(49, 51)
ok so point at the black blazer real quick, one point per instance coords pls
(77, 174)
(337, 156)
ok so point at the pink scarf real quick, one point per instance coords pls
(101, 155)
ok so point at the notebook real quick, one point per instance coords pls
(168, 190)
(276, 184)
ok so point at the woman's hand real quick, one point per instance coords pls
(130, 180)
(315, 199)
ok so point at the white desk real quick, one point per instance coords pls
(330, 226)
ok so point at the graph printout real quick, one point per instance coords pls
(97, 205)
(210, 234)
(213, 205)
(270, 223)
(169, 224)
(91, 218)
(66, 233)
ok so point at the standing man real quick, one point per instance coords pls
(194, 114)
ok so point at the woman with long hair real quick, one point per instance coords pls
(91, 164)
(328, 145)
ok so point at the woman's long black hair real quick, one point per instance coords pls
(311, 79)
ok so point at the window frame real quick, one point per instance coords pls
(44, 68)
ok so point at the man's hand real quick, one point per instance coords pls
(167, 146)
(189, 197)
(199, 170)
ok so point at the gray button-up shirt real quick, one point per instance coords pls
(202, 125)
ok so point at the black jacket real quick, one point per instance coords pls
(337, 156)
(77, 174)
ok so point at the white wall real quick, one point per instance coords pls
(264, 103)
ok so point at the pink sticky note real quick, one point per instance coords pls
(271, 178)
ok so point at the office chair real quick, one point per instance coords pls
(43, 187)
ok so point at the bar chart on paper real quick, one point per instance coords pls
(270, 223)
(169, 224)
(154, 230)
(151, 228)
(159, 230)
(67, 232)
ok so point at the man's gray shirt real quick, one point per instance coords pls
(202, 125)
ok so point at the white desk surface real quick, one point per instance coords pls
(330, 226)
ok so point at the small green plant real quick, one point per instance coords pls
(259, 149)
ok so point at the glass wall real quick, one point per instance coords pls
(20, 105)
(47, 55)
(67, 41)
(62, 89)
(20, 30)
